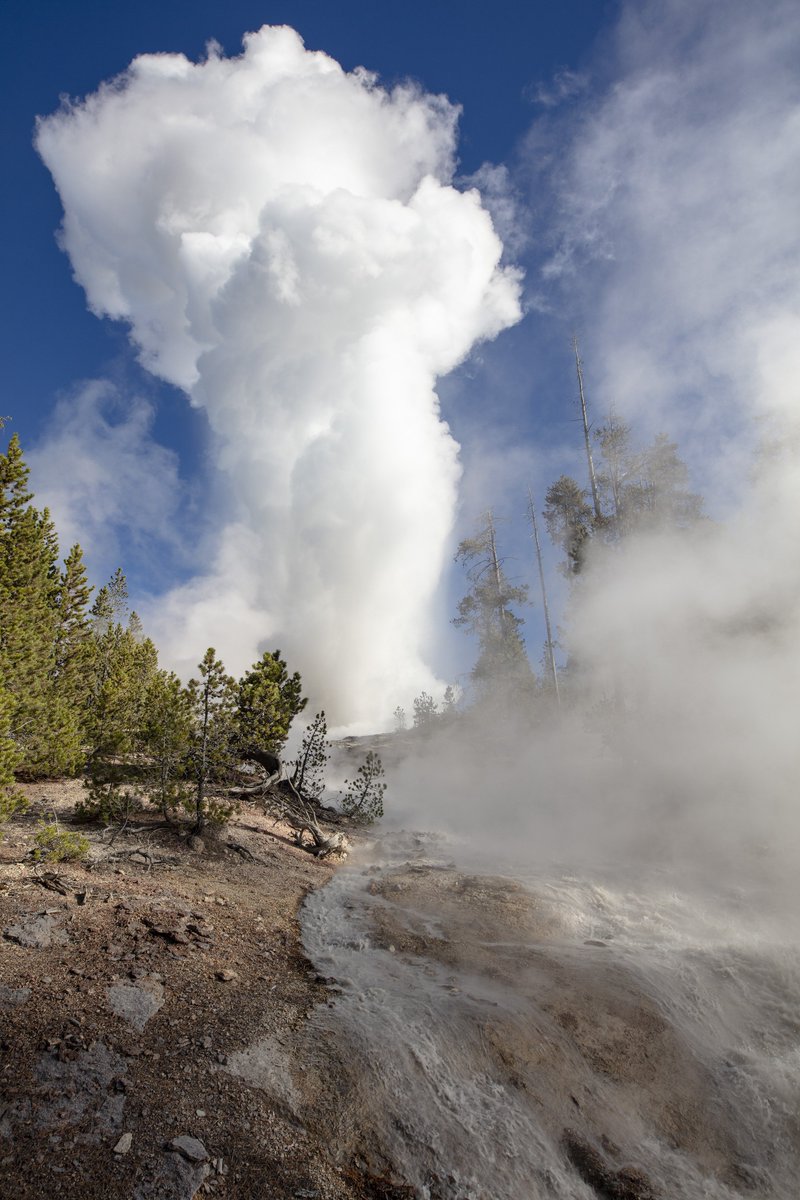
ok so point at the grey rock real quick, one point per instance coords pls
(13, 997)
(36, 931)
(175, 1178)
(191, 1148)
(76, 1090)
(136, 1002)
(124, 1144)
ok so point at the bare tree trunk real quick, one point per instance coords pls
(550, 652)
(498, 581)
(598, 512)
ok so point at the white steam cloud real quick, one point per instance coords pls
(285, 243)
(104, 477)
(677, 192)
(676, 202)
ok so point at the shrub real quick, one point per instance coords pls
(106, 802)
(58, 845)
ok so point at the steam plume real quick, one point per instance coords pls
(676, 189)
(284, 241)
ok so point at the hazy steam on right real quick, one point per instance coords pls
(679, 740)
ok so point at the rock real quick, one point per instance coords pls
(37, 931)
(76, 1090)
(175, 1178)
(137, 1002)
(124, 1144)
(266, 1065)
(191, 1148)
(226, 975)
(13, 997)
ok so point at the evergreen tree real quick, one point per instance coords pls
(570, 521)
(123, 667)
(643, 489)
(11, 799)
(666, 501)
(486, 611)
(72, 668)
(28, 583)
(617, 479)
(212, 698)
(362, 799)
(309, 768)
(268, 701)
(426, 710)
(167, 732)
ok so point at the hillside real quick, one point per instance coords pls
(154, 1007)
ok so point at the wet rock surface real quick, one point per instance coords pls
(522, 1054)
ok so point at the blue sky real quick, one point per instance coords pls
(488, 62)
(646, 188)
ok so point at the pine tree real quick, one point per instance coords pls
(570, 521)
(11, 799)
(617, 479)
(28, 583)
(309, 768)
(666, 501)
(123, 667)
(362, 799)
(166, 740)
(426, 710)
(72, 668)
(211, 755)
(268, 701)
(486, 611)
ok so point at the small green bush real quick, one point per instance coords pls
(107, 802)
(58, 845)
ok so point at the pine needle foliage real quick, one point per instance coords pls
(212, 754)
(309, 768)
(362, 799)
(487, 611)
(11, 798)
(268, 700)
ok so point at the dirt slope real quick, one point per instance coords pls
(160, 993)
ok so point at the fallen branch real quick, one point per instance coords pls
(52, 882)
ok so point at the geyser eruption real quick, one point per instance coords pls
(285, 243)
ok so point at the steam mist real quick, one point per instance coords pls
(284, 241)
(675, 213)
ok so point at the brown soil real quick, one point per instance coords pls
(172, 1000)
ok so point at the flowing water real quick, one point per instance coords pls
(519, 1035)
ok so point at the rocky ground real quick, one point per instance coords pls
(154, 1007)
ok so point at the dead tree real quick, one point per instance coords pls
(598, 512)
(551, 658)
(281, 798)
